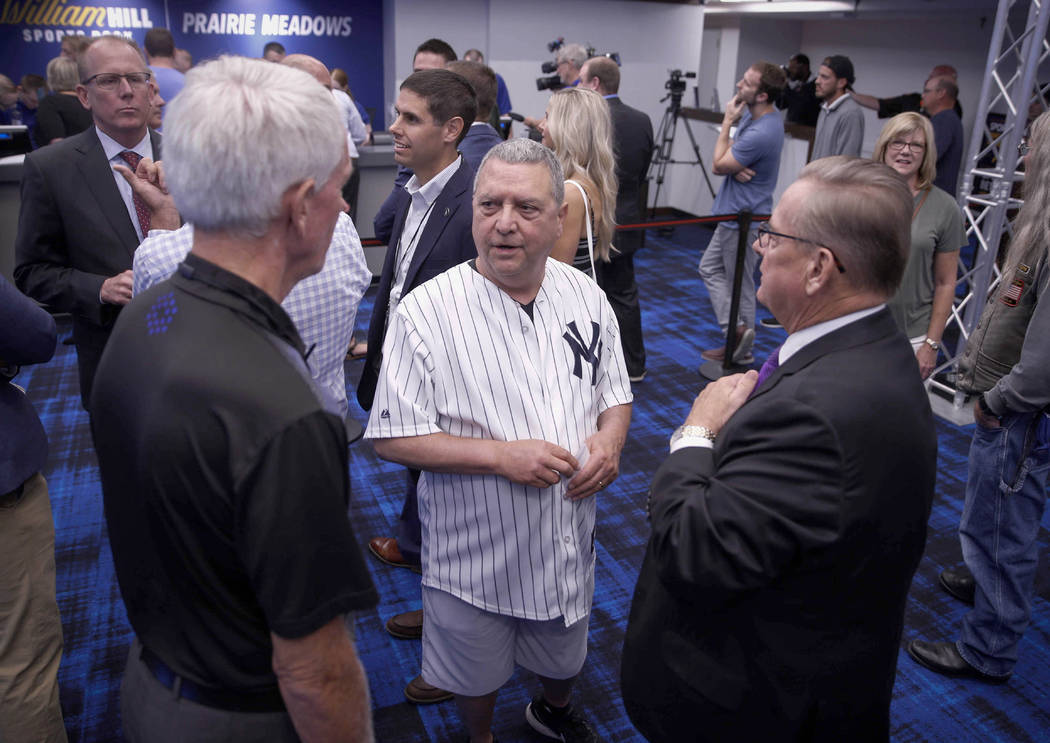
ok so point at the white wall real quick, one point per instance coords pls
(891, 57)
(650, 37)
(767, 40)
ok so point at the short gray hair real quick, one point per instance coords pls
(575, 54)
(523, 151)
(62, 74)
(84, 69)
(241, 132)
(862, 210)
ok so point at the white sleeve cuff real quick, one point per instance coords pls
(692, 441)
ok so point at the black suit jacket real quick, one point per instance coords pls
(446, 242)
(74, 232)
(633, 149)
(771, 598)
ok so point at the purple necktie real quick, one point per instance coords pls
(141, 210)
(767, 369)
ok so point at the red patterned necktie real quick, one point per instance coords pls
(141, 210)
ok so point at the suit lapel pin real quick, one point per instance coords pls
(447, 211)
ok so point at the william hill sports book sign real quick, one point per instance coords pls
(59, 19)
(31, 31)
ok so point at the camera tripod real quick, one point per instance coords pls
(665, 139)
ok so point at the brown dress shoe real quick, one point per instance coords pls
(386, 549)
(419, 691)
(407, 626)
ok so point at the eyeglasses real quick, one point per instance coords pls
(915, 147)
(1023, 148)
(110, 81)
(765, 236)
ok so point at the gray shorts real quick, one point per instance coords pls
(472, 652)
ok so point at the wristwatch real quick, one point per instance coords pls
(693, 432)
(932, 343)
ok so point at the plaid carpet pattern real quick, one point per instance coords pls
(678, 324)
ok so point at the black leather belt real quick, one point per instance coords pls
(234, 701)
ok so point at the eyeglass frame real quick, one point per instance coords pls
(763, 230)
(898, 145)
(125, 77)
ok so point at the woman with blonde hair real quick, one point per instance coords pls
(60, 114)
(578, 129)
(924, 300)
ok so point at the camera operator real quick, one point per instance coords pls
(568, 61)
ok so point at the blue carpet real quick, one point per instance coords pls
(678, 324)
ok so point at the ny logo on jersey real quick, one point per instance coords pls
(584, 351)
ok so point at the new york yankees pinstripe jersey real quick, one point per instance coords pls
(465, 359)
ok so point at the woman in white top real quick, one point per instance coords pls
(578, 129)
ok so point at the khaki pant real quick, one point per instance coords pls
(30, 629)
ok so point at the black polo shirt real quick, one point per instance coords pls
(225, 481)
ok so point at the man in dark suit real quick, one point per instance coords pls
(432, 54)
(481, 137)
(79, 223)
(633, 148)
(791, 514)
(431, 233)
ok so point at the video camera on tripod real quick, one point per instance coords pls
(676, 85)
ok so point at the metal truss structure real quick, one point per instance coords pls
(987, 193)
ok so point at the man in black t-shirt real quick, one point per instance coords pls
(225, 480)
(799, 98)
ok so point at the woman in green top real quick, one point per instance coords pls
(924, 300)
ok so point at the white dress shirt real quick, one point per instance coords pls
(794, 343)
(423, 198)
(113, 148)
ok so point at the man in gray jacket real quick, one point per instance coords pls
(840, 126)
(1007, 360)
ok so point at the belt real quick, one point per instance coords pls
(9, 499)
(227, 699)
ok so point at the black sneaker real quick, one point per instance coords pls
(564, 724)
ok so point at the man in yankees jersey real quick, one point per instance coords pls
(435, 108)
(504, 381)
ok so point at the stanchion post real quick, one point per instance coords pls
(743, 220)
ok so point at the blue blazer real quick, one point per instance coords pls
(446, 241)
(479, 140)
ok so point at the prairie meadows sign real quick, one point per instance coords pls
(341, 33)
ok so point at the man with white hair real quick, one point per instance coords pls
(569, 61)
(323, 306)
(506, 494)
(224, 478)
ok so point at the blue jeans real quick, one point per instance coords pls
(1005, 496)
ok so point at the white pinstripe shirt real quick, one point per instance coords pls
(322, 306)
(464, 358)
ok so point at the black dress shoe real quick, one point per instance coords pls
(959, 583)
(944, 658)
